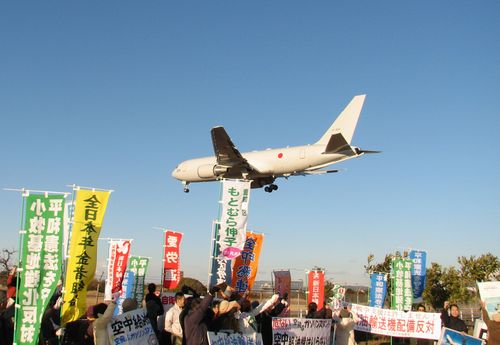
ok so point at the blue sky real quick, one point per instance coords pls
(114, 94)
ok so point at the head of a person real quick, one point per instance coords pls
(129, 304)
(454, 311)
(255, 304)
(312, 307)
(245, 306)
(151, 287)
(344, 313)
(421, 308)
(179, 299)
(99, 309)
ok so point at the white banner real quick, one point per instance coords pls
(233, 219)
(294, 331)
(398, 323)
(490, 294)
(117, 264)
(222, 338)
(132, 328)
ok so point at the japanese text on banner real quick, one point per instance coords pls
(90, 208)
(41, 262)
(117, 264)
(171, 259)
(246, 265)
(233, 220)
(138, 265)
(402, 293)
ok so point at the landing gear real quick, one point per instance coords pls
(271, 187)
(186, 188)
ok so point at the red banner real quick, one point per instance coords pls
(316, 288)
(283, 285)
(117, 264)
(171, 259)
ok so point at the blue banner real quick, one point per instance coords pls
(378, 289)
(220, 271)
(418, 272)
(127, 288)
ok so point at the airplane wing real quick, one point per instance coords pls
(227, 154)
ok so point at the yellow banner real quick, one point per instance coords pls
(89, 214)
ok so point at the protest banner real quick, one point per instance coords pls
(220, 268)
(246, 264)
(378, 289)
(338, 292)
(138, 265)
(126, 292)
(316, 287)
(167, 300)
(117, 264)
(40, 263)
(171, 259)
(418, 272)
(397, 323)
(489, 292)
(132, 328)
(452, 337)
(295, 331)
(90, 208)
(233, 219)
(402, 293)
(283, 286)
(222, 338)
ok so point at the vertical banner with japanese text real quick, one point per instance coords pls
(171, 257)
(247, 264)
(378, 289)
(418, 272)
(90, 208)
(138, 265)
(316, 287)
(402, 293)
(117, 264)
(40, 263)
(126, 291)
(283, 285)
(233, 220)
(220, 268)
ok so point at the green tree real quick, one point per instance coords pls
(484, 268)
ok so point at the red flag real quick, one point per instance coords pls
(316, 288)
(119, 251)
(171, 259)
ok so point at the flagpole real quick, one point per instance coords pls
(24, 194)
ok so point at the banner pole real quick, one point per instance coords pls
(21, 239)
(162, 272)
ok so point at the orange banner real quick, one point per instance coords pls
(247, 263)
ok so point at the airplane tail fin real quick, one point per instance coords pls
(346, 122)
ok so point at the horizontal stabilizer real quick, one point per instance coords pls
(336, 144)
(314, 172)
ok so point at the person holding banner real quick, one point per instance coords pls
(493, 325)
(452, 320)
(246, 317)
(103, 314)
(194, 318)
(345, 321)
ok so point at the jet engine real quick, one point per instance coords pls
(211, 170)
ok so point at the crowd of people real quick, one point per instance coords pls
(192, 316)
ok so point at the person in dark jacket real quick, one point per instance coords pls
(195, 318)
(265, 320)
(154, 308)
(452, 319)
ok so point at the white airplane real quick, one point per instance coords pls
(263, 167)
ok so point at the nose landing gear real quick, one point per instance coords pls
(186, 188)
(271, 188)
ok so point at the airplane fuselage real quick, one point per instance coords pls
(270, 163)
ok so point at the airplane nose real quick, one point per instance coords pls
(175, 173)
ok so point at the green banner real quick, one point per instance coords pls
(402, 293)
(138, 265)
(40, 263)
